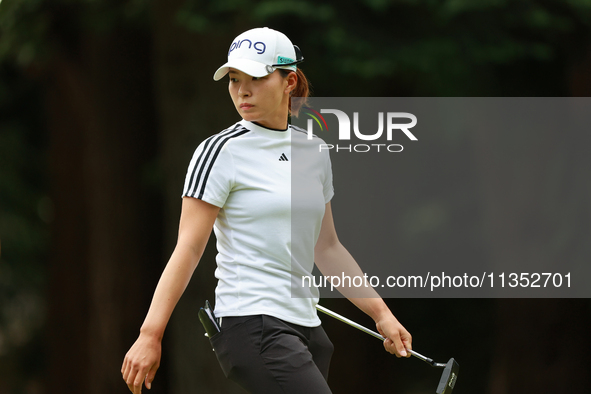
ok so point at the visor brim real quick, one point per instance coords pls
(250, 67)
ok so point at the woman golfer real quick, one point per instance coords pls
(239, 183)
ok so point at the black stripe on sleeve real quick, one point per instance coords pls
(207, 158)
(202, 159)
(211, 141)
(217, 152)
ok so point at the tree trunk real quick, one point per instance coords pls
(106, 246)
(68, 305)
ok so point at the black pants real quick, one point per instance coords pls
(266, 355)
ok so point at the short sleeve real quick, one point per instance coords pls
(210, 175)
(328, 188)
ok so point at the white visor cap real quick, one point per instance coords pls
(258, 52)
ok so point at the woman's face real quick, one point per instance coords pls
(262, 100)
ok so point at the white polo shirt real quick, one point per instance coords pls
(248, 171)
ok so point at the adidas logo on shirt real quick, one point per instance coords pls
(283, 157)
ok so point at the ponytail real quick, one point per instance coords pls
(302, 90)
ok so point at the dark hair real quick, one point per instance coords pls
(302, 89)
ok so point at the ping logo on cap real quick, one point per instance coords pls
(259, 46)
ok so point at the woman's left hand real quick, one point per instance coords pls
(398, 339)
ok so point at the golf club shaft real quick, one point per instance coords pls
(368, 331)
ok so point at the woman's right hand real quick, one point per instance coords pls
(141, 363)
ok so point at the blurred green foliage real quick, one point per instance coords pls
(23, 30)
(25, 212)
(434, 47)
(430, 47)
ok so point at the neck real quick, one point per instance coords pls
(272, 128)
(278, 119)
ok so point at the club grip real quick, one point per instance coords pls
(208, 320)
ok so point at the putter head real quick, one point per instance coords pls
(448, 377)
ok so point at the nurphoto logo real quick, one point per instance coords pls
(393, 126)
